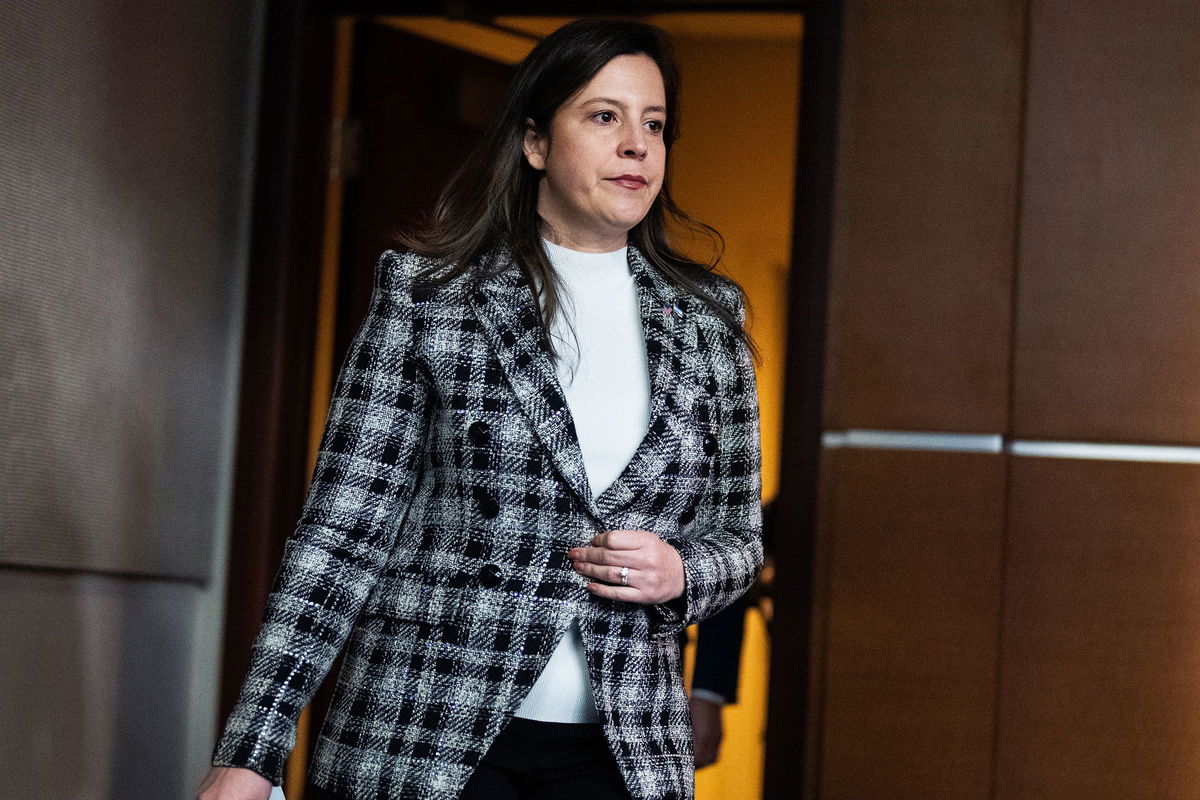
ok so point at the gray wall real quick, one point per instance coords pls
(126, 163)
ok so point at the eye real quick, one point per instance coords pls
(655, 125)
(604, 117)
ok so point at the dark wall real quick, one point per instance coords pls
(1015, 253)
(125, 168)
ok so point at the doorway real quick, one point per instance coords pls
(403, 98)
(421, 90)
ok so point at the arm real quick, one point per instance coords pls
(715, 678)
(366, 471)
(723, 557)
(719, 653)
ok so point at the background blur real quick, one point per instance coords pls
(970, 234)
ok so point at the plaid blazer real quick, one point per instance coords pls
(432, 543)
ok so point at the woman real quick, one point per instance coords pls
(541, 463)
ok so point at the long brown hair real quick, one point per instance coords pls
(491, 200)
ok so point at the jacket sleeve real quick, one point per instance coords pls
(365, 475)
(717, 665)
(723, 553)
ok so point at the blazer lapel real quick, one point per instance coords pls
(670, 336)
(509, 315)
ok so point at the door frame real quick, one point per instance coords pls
(284, 271)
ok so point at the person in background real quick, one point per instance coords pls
(715, 678)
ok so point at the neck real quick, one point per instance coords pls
(585, 243)
(576, 237)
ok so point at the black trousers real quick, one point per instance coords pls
(532, 760)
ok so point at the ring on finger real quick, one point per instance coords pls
(624, 576)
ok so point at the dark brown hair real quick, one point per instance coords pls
(491, 200)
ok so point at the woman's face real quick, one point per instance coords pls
(604, 157)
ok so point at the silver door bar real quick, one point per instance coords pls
(995, 443)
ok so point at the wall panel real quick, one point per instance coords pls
(126, 164)
(1108, 334)
(924, 235)
(913, 598)
(1101, 655)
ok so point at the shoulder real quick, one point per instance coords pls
(725, 291)
(405, 274)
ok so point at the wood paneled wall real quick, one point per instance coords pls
(1016, 253)
(925, 216)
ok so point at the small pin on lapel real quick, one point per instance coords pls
(673, 309)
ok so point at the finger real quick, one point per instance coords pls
(602, 556)
(607, 574)
(590, 555)
(629, 594)
(622, 540)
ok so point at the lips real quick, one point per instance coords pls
(629, 181)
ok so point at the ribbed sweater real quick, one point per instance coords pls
(602, 369)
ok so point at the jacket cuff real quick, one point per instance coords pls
(253, 754)
(669, 618)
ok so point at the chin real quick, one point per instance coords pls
(630, 218)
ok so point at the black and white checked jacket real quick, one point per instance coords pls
(432, 543)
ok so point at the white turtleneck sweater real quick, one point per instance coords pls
(602, 369)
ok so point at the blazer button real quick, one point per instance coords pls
(479, 433)
(486, 502)
(710, 444)
(490, 576)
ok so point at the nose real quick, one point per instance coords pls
(633, 144)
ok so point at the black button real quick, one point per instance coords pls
(490, 575)
(710, 444)
(479, 433)
(710, 385)
(421, 292)
(486, 502)
(461, 579)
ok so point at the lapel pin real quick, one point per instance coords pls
(673, 309)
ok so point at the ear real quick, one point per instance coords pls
(535, 145)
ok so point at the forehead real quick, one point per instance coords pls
(631, 80)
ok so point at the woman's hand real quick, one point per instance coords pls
(653, 569)
(233, 783)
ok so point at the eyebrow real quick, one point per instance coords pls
(610, 101)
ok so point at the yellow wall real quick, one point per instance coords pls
(733, 168)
